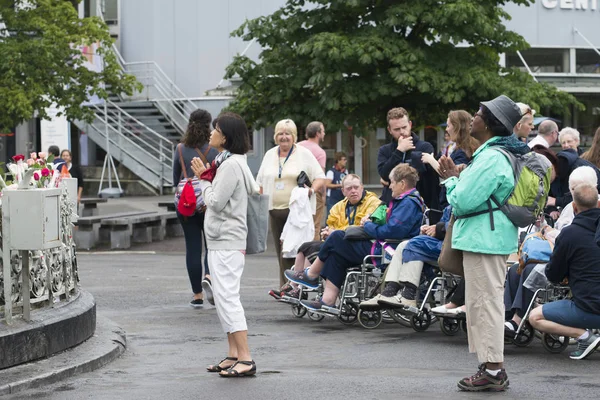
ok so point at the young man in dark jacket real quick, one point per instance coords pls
(407, 148)
(576, 258)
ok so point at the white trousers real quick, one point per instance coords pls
(484, 297)
(226, 267)
(403, 272)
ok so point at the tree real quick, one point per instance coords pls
(41, 62)
(347, 62)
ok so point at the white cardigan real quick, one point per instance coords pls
(269, 169)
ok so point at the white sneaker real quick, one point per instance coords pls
(371, 304)
(442, 310)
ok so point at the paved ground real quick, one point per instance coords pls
(169, 345)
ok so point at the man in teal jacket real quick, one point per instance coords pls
(486, 238)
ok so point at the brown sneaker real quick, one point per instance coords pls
(483, 380)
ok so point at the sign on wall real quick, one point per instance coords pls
(591, 5)
(55, 131)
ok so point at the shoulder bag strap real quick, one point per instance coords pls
(203, 156)
(183, 169)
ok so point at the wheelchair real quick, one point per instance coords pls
(525, 333)
(435, 289)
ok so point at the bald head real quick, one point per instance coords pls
(585, 197)
(547, 128)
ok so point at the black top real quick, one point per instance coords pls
(577, 258)
(389, 156)
(75, 172)
(568, 160)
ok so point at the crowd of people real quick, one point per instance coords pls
(470, 180)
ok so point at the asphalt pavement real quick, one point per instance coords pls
(169, 344)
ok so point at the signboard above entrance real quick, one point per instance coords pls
(584, 5)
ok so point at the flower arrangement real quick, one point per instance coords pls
(37, 171)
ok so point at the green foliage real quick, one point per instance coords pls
(41, 64)
(347, 62)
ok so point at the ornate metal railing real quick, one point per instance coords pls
(53, 273)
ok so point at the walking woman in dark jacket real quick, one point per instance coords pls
(195, 139)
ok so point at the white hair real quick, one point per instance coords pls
(568, 131)
(525, 109)
(582, 175)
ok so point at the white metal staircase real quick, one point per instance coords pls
(142, 130)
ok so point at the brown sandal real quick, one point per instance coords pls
(218, 368)
(232, 373)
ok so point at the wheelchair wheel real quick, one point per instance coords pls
(554, 344)
(315, 317)
(349, 313)
(524, 337)
(369, 319)
(449, 326)
(399, 317)
(298, 311)
(463, 326)
(421, 322)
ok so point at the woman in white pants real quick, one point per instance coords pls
(226, 185)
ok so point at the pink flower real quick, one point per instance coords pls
(36, 176)
(33, 155)
(45, 172)
(30, 162)
(42, 155)
(18, 157)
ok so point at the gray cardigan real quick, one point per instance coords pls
(226, 201)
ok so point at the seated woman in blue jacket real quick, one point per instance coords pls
(404, 216)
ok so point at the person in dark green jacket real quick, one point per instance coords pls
(485, 239)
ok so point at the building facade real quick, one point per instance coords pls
(190, 41)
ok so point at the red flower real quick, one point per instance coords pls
(18, 157)
(36, 176)
(45, 172)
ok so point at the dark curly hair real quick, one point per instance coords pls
(198, 129)
(492, 123)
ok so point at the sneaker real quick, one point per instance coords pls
(208, 292)
(371, 304)
(510, 329)
(442, 310)
(276, 294)
(197, 303)
(585, 347)
(396, 302)
(301, 278)
(483, 380)
(313, 305)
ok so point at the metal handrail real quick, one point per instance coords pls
(109, 118)
(159, 76)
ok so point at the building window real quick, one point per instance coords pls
(588, 61)
(541, 60)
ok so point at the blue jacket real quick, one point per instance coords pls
(568, 160)
(404, 218)
(389, 156)
(575, 257)
(426, 248)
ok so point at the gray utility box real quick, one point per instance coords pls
(33, 217)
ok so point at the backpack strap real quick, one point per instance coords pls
(203, 156)
(183, 169)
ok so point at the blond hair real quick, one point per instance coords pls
(288, 126)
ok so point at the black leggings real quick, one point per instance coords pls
(193, 230)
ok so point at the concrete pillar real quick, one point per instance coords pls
(25, 138)
(566, 63)
(572, 61)
(358, 157)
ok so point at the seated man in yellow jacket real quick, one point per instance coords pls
(357, 204)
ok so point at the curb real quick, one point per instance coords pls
(107, 344)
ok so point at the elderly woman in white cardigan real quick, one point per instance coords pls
(277, 177)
